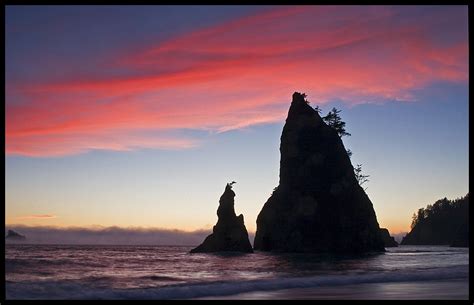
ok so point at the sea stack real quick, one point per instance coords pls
(14, 236)
(318, 206)
(388, 240)
(229, 234)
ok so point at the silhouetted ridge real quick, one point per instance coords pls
(446, 222)
(229, 234)
(318, 205)
(12, 235)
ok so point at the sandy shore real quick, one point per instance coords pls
(428, 290)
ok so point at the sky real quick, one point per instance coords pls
(137, 116)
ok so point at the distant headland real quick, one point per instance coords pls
(445, 222)
(14, 236)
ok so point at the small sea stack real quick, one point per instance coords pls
(229, 234)
(387, 239)
(14, 236)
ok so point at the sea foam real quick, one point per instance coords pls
(77, 290)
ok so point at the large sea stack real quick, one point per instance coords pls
(318, 205)
(229, 234)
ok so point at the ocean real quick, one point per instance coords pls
(171, 272)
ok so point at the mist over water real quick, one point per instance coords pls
(112, 235)
(169, 272)
(109, 235)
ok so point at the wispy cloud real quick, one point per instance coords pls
(60, 144)
(238, 74)
(37, 216)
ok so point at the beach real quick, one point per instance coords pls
(457, 289)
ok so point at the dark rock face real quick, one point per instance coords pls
(229, 234)
(461, 238)
(14, 236)
(318, 206)
(388, 240)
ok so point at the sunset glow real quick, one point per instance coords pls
(123, 116)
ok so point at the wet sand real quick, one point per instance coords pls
(428, 290)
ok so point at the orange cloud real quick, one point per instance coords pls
(238, 74)
(41, 216)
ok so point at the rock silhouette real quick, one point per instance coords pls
(318, 205)
(461, 238)
(388, 240)
(445, 222)
(14, 236)
(229, 234)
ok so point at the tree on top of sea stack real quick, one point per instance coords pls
(318, 205)
(333, 119)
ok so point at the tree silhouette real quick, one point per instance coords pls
(304, 98)
(443, 222)
(361, 178)
(414, 221)
(441, 207)
(334, 120)
(349, 152)
(418, 217)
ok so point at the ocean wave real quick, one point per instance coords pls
(161, 278)
(430, 251)
(21, 262)
(74, 290)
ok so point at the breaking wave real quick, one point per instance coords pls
(78, 290)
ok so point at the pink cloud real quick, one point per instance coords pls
(235, 75)
(46, 145)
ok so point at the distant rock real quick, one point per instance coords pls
(14, 236)
(388, 240)
(318, 205)
(229, 234)
(445, 222)
(399, 236)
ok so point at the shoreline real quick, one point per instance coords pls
(455, 289)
